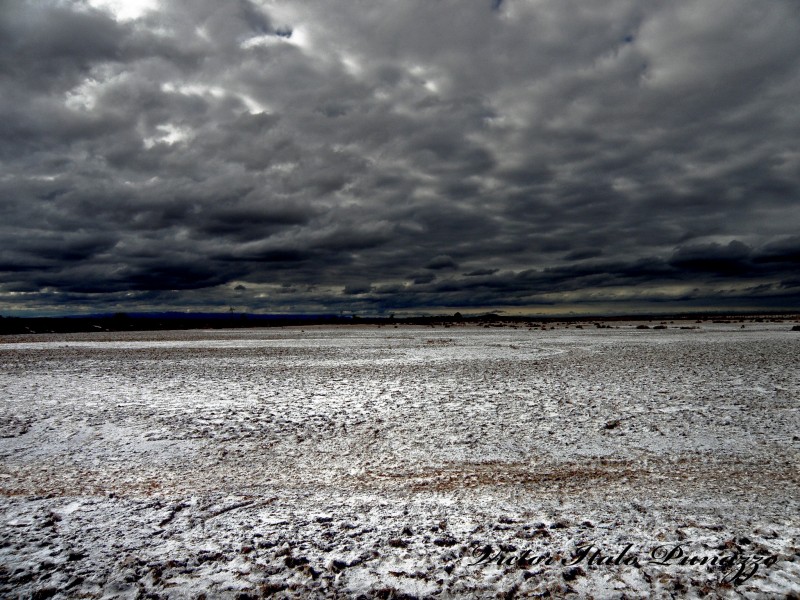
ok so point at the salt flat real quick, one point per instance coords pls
(382, 462)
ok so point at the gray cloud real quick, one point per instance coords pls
(418, 156)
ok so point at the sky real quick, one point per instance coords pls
(415, 157)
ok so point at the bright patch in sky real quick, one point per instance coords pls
(125, 10)
(167, 134)
(253, 106)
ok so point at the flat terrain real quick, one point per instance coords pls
(381, 462)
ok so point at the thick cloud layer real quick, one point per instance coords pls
(410, 156)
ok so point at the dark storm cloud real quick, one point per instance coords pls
(315, 156)
(733, 259)
(441, 262)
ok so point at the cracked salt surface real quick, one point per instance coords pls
(338, 462)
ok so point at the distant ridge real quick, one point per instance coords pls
(163, 321)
